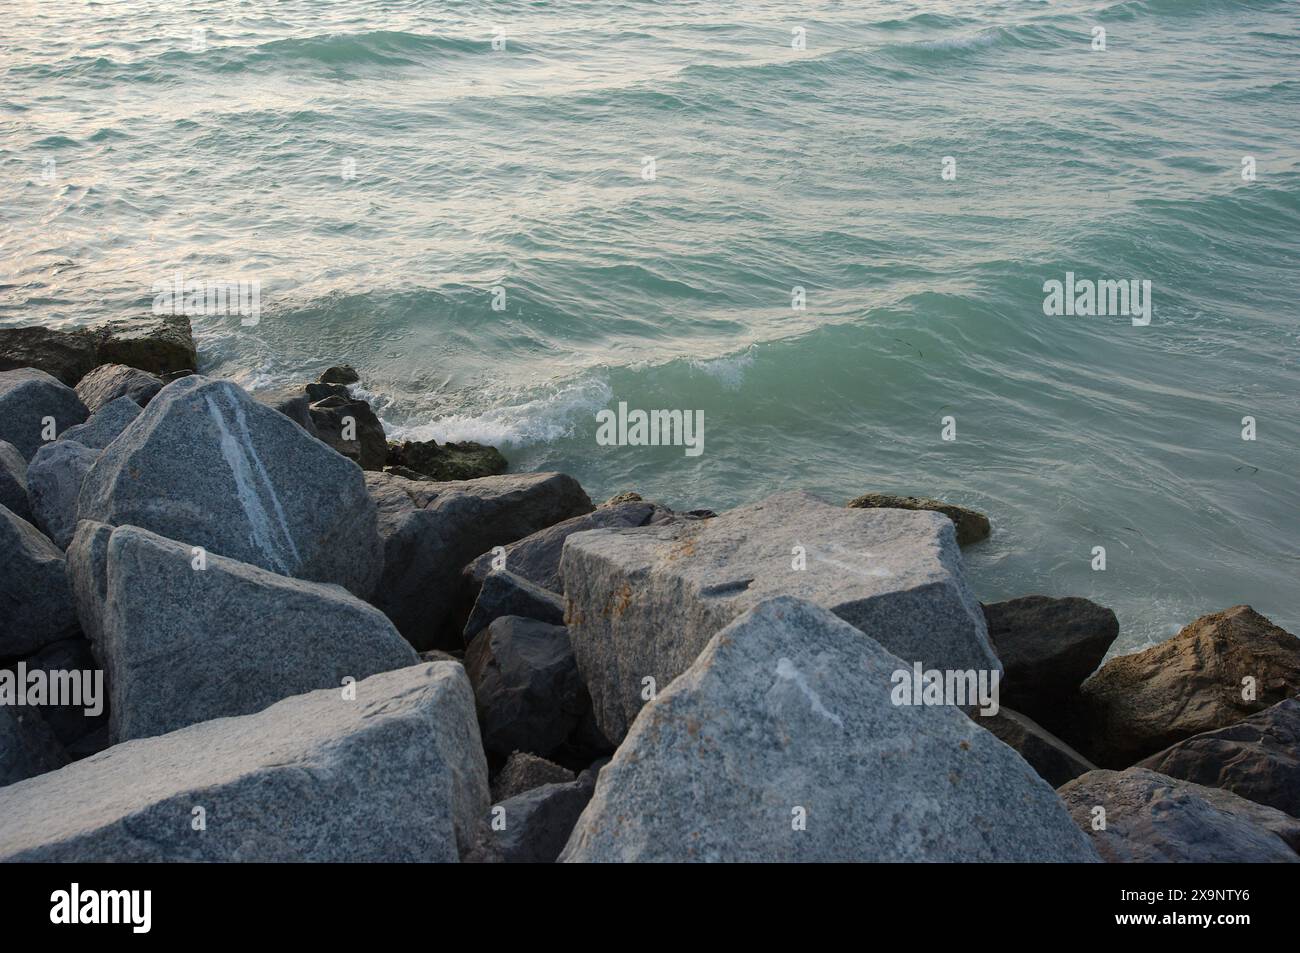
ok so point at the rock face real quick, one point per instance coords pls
(642, 603)
(27, 398)
(110, 382)
(293, 402)
(209, 466)
(395, 775)
(537, 557)
(523, 772)
(106, 425)
(449, 461)
(1139, 704)
(65, 355)
(182, 644)
(28, 746)
(13, 481)
(340, 374)
(526, 686)
(1054, 760)
(35, 602)
(503, 593)
(971, 526)
(87, 576)
(781, 743)
(348, 425)
(1258, 759)
(1048, 647)
(431, 530)
(161, 345)
(54, 481)
(1153, 818)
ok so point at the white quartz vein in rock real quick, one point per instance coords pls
(785, 669)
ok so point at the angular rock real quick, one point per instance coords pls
(13, 481)
(111, 382)
(340, 374)
(54, 480)
(162, 344)
(539, 821)
(349, 426)
(27, 398)
(1048, 647)
(62, 662)
(642, 603)
(395, 775)
(503, 593)
(87, 577)
(537, 557)
(523, 772)
(209, 466)
(228, 639)
(35, 601)
(1258, 759)
(65, 355)
(449, 461)
(293, 402)
(106, 425)
(1054, 760)
(27, 745)
(786, 721)
(1153, 818)
(526, 686)
(971, 525)
(1136, 705)
(431, 530)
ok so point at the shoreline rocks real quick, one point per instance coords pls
(971, 526)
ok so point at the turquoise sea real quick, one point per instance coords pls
(381, 166)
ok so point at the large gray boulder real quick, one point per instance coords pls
(110, 382)
(395, 775)
(208, 465)
(1258, 759)
(105, 425)
(13, 480)
(1149, 818)
(504, 593)
(526, 686)
(431, 530)
(28, 746)
(782, 742)
(537, 557)
(87, 573)
(184, 641)
(642, 603)
(54, 479)
(35, 601)
(29, 399)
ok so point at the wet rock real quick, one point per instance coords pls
(340, 374)
(448, 461)
(1258, 759)
(971, 526)
(1136, 705)
(65, 355)
(349, 426)
(161, 344)
(395, 775)
(781, 743)
(29, 399)
(1153, 818)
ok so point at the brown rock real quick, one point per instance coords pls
(971, 526)
(1136, 705)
